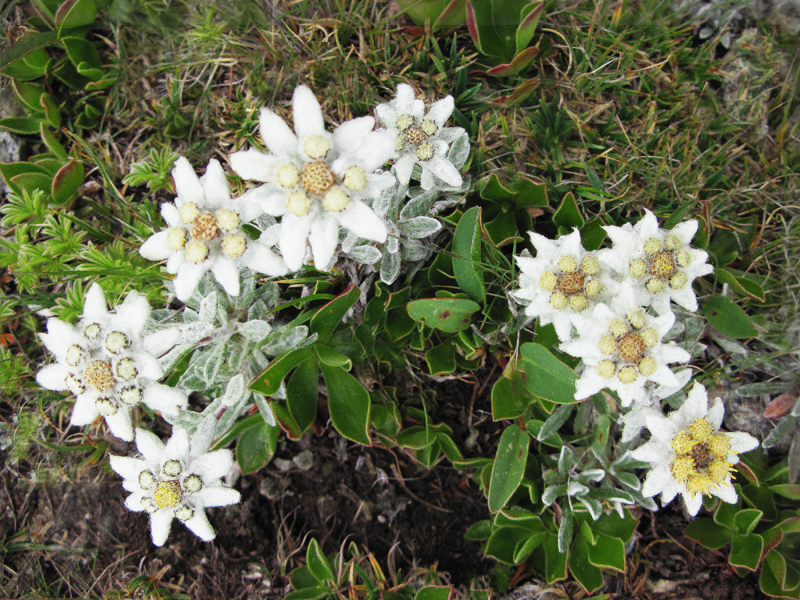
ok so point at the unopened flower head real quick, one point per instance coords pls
(204, 232)
(689, 454)
(317, 181)
(562, 282)
(660, 263)
(622, 349)
(178, 480)
(103, 361)
(422, 139)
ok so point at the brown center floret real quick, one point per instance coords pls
(205, 227)
(571, 283)
(99, 375)
(662, 265)
(317, 178)
(631, 347)
(701, 455)
(415, 135)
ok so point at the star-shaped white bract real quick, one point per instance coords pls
(178, 480)
(689, 454)
(622, 350)
(103, 361)
(204, 233)
(562, 282)
(422, 139)
(660, 263)
(317, 181)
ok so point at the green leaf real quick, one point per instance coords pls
(746, 519)
(527, 27)
(318, 563)
(480, 531)
(523, 548)
(555, 562)
(515, 65)
(31, 181)
(467, 250)
(67, 181)
(495, 191)
(504, 541)
(508, 396)
(775, 578)
(74, 13)
(568, 215)
(707, 533)
(332, 357)
(51, 142)
(728, 318)
(554, 422)
(328, 318)
(20, 125)
(50, 110)
(84, 57)
(255, 446)
(434, 592)
(441, 359)
(787, 490)
(545, 376)
(269, 380)
(585, 573)
(741, 284)
(509, 466)
(746, 550)
(593, 234)
(348, 403)
(302, 393)
(451, 315)
(608, 552)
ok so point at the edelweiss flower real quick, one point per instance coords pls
(563, 281)
(622, 350)
(103, 361)
(179, 480)
(317, 181)
(205, 233)
(421, 140)
(689, 454)
(660, 263)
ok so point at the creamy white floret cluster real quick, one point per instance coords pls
(600, 303)
(612, 309)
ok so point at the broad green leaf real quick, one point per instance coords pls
(29, 95)
(451, 315)
(580, 566)
(554, 422)
(309, 593)
(555, 562)
(318, 563)
(434, 592)
(74, 13)
(51, 142)
(504, 541)
(84, 57)
(545, 376)
(508, 397)
(480, 531)
(509, 466)
(328, 318)
(332, 357)
(740, 284)
(286, 421)
(787, 490)
(20, 125)
(728, 318)
(255, 446)
(441, 359)
(467, 251)
(607, 552)
(67, 181)
(348, 403)
(31, 181)
(567, 214)
(496, 191)
(302, 393)
(746, 519)
(302, 578)
(269, 380)
(527, 27)
(746, 550)
(526, 546)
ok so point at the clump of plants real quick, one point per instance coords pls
(308, 271)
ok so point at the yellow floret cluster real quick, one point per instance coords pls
(701, 457)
